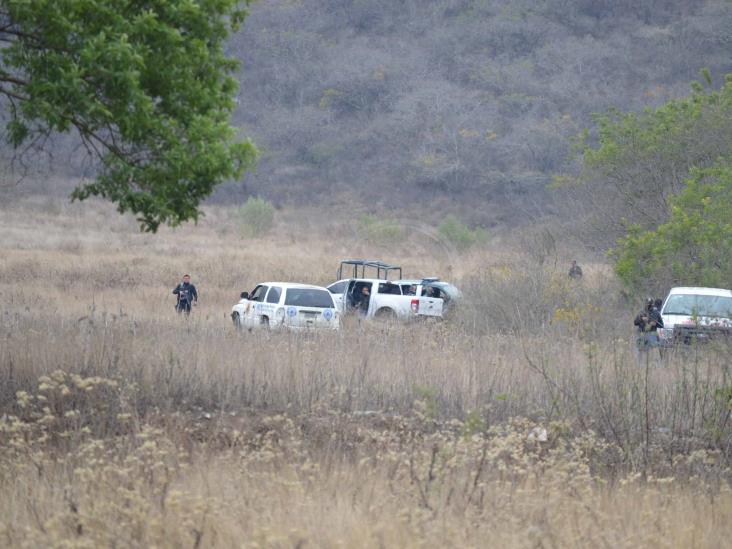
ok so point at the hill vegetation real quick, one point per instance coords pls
(465, 105)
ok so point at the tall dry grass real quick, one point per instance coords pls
(123, 424)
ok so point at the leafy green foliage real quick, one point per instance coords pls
(147, 86)
(460, 235)
(257, 216)
(641, 160)
(379, 231)
(694, 247)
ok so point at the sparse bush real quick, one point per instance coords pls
(257, 216)
(379, 231)
(459, 234)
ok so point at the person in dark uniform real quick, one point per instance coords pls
(362, 301)
(575, 271)
(186, 295)
(648, 321)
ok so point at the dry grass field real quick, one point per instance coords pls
(125, 425)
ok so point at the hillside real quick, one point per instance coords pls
(463, 105)
(460, 106)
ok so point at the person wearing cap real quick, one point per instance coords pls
(186, 295)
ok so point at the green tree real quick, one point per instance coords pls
(694, 247)
(145, 84)
(638, 161)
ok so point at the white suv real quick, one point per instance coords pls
(695, 314)
(286, 305)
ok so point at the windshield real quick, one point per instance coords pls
(699, 305)
(338, 287)
(258, 293)
(306, 297)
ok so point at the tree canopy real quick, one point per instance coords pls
(694, 247)
(638, 162)
(145, 84)
(661, 182)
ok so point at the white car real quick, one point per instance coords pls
(385, 301)
(695, 314)
(286, 305)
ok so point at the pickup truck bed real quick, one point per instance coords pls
(385, 300)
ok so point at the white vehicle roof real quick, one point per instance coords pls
(694, 290)
(286, 285)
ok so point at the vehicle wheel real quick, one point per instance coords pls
(237, 320)
(385, 315)
(265, 321)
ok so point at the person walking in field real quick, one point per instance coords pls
(575, 271)
(186, 295)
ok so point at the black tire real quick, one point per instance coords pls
(264, 321)
(386, 315)
(236, 319)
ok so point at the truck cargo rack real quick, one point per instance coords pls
(383, 270)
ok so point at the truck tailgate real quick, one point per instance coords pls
(430, 306)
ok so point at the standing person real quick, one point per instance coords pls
(575, 271)
(648, 321)
(186, 295)
(656, 321)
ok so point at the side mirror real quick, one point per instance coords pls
(244, 295)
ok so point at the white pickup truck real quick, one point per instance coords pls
(382, 299)
(692, 314)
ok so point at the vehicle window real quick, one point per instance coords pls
(307, 297)
(258, 293)
(388, 288)
(338, 287)
(449, 291)
(698, 305)
(409, 289)
(274, 294)
(433, 291)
